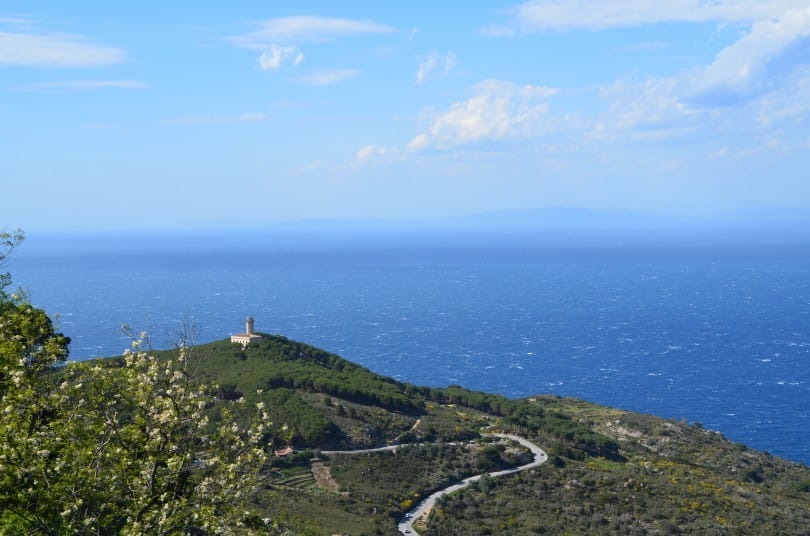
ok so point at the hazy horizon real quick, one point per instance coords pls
(553, 217)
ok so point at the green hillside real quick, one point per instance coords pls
(610, 471)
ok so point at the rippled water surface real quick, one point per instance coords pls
(721, 340)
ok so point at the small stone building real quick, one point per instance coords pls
(248, 336)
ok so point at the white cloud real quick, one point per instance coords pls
(420, 142)
(758, 61)
(211, 120)
(483, 117)
(503, 87)
(371, 152)
(761, 78)
(83, 85)
(426, 67)
(759, 74)
(273, 58)
(789, 104)
(327, 77)
(651, 108)
(435, 63)
(301, 29)
(656, 110)
(499, 110)
(276, 39)
(54, 50)
(599, 14)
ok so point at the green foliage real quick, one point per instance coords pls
(397, 481)
(673, 478)
(528, 418)
(121, 449)
(275, 361)
(348, 385)
(802, 487)
(29, 345)
(634, 497)
(488, 458)
(8, 242)
(449, 423)
(454, 394)
(117, 447)
(300, 366)
(308, 426)
(229, 392)
(320, 513)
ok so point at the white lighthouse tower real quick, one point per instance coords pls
(248, 336)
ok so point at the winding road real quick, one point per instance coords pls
(364, 451)
(423, 508)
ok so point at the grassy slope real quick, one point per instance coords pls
(612, 471)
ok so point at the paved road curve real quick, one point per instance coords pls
(363, 451)
(406, 524)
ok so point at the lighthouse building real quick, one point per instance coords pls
(248, 336)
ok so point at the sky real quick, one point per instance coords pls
(213, 115)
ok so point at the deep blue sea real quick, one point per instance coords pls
(720, 336)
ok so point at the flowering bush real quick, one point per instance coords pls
(116, 446)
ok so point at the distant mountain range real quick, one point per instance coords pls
(570, 217)
(556, 227)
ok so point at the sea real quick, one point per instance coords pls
(713, 333)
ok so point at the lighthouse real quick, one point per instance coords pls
(248, 336)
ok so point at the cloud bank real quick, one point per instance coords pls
(303, 29)
(498, 110)
(543, 15)
(758, 61)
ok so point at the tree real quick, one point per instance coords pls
(8, 241)
(29, 345)
(117, 446)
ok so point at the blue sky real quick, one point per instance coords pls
(212, 115)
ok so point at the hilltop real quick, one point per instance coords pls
(609, 470)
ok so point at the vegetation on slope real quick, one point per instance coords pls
(610, 471)
(275, 363)
(674, 478)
